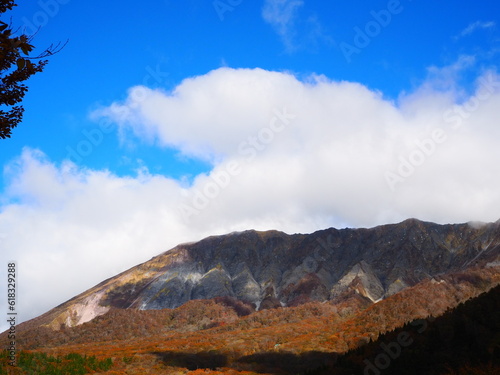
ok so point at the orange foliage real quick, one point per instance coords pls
(225, 327)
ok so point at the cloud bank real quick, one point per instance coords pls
(287, 154)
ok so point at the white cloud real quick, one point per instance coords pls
(282, 16)
(297, 30)
(476, 26)
(447, 78)
(287, 154)
(73, 228)
(342, 139)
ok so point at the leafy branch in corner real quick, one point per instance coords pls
(17, 66)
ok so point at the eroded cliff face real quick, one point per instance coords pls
(270, 269)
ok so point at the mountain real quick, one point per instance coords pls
(272, 269)
(223, 336)
(272, 303)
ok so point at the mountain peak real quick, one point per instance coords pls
(412, 222)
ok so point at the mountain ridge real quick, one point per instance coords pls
(269, 269)
(222, 326)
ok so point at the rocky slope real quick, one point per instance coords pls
(271, 269)
(205, 335)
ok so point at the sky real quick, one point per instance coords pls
(168, 121)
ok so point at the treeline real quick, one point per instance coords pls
(44, 364)
(120, 324)
(224, 313)
(465, 340)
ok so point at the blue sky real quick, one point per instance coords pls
(138, 134)
(112, 48)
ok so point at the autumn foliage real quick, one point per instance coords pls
(226, 336)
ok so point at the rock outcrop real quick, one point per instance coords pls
(270, 269)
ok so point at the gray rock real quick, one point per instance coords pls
(273, 269)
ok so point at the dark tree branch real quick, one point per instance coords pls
(17, 66)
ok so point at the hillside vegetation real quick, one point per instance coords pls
(224, 335)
